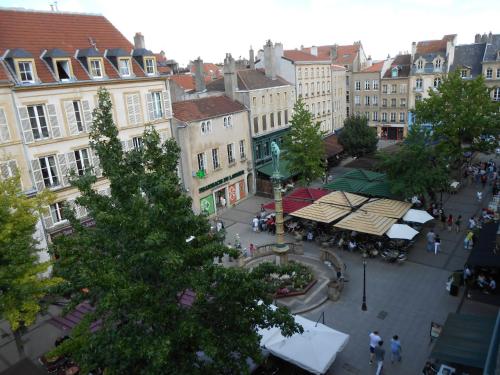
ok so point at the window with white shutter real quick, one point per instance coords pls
(167, 107)
(57, 212)
(133, 102)
(82, 161)
(8, 169)
(155, 105)
(4, 128)
(87, 115)
(54, 123)
(63, 167)
(48, 169)
(38, 122)
(74, 115)
(96, 163)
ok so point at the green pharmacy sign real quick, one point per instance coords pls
(200, 174)
(207, 205)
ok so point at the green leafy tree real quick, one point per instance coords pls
(357, 137)
(303, 144)
(461, 110)
(416, 168)
(23, 279)
(135, 264)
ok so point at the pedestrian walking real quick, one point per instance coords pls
(449, 222)
(437, 245)
(431, 237)
(395, 349)
(255, 224)
(479, 195)
(472, 223)
(252, 249)
(379, 357)
(468, 241)
(374, 340)
(458, 223)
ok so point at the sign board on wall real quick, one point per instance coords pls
(207, 205)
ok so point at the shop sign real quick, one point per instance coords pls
(207, 205)
(220, 182)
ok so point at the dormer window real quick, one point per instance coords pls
(463, 73)
(95, 67)
(394, 72)
(62, 68)
(149, 66)
(420, 64)
(437, 64)
(124, 66)
(26, 74)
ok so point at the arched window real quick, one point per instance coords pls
(437, 64)
(420, 64)
(437, 82)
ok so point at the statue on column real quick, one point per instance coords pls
(275, 154)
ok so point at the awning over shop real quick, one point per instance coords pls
(465, 340)
(321, 212)
(483, 252)
(299, 198)
(341, 198)
(267, 169)
(366, 222)
(362, 181)
(387, 207)
(332, 146)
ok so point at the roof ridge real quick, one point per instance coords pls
(25, 10)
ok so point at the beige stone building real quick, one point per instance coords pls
(491, 64)
(216, 159)
(365, 93)
(339, 88)
(394, 93)
(49, 79)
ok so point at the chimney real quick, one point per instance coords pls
(477, 38)
(230, 79)
(251, 58)
(269, 60)
(139, 41)
(199, 77)
(334, 52)
(413, 50)
(369, 61)
(484, 38)
(314, 50)
(490, 38)
(301, 47)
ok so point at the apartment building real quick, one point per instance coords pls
(339, 89)
(216, 165)
(365, 94)
(269, 100)
(394, 93)
(49, 78)
(431, 59)
(491, 64)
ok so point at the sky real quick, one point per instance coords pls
(210, 29)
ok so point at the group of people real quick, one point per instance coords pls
(482, 279)
(481, 173)
(377, 351)
(263, 222)
(433, 242)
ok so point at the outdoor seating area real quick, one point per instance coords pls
(353, 222)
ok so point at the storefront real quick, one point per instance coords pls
(225, 192)
(392, 132)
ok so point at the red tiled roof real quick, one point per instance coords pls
(164, 69)
(186, 81)
(299, 198)
(337, 67)
(431, 46)
(375, 68)
(323, 51)
(4, 76)
(297, 56)
(346, 54)
(199, 109)
(210, 70)
(36, 31)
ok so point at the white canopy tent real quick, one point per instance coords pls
(401, 231)
(417, 216)
(314, 350)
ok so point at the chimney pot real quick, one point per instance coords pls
(139, 41)
(251, 59)
(199, 76)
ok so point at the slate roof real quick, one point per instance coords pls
(492, 49)
(470, 56)
(403, 63)
(36, 31)
(300, 56)
(205, 108)
(249, 79)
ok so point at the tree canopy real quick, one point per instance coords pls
(460, 111)
(305, 150)
(357, 137)
(135, 264)
(416, 168)
(22, 285)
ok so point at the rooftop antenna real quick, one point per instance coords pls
(92, 43)
(55, 5)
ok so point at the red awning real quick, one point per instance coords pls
(299, 198)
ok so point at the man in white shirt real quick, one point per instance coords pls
(374, 340)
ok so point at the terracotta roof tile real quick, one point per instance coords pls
(199, 109)
(186, 81)
(298, 56)
(346, 54)
(36, 31)
(431, 46)
(375, 68)
(210, 70)
(337, 67)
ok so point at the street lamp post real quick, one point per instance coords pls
(363, 306)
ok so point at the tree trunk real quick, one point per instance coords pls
(19, 343)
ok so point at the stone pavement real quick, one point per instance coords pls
(402, 299)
